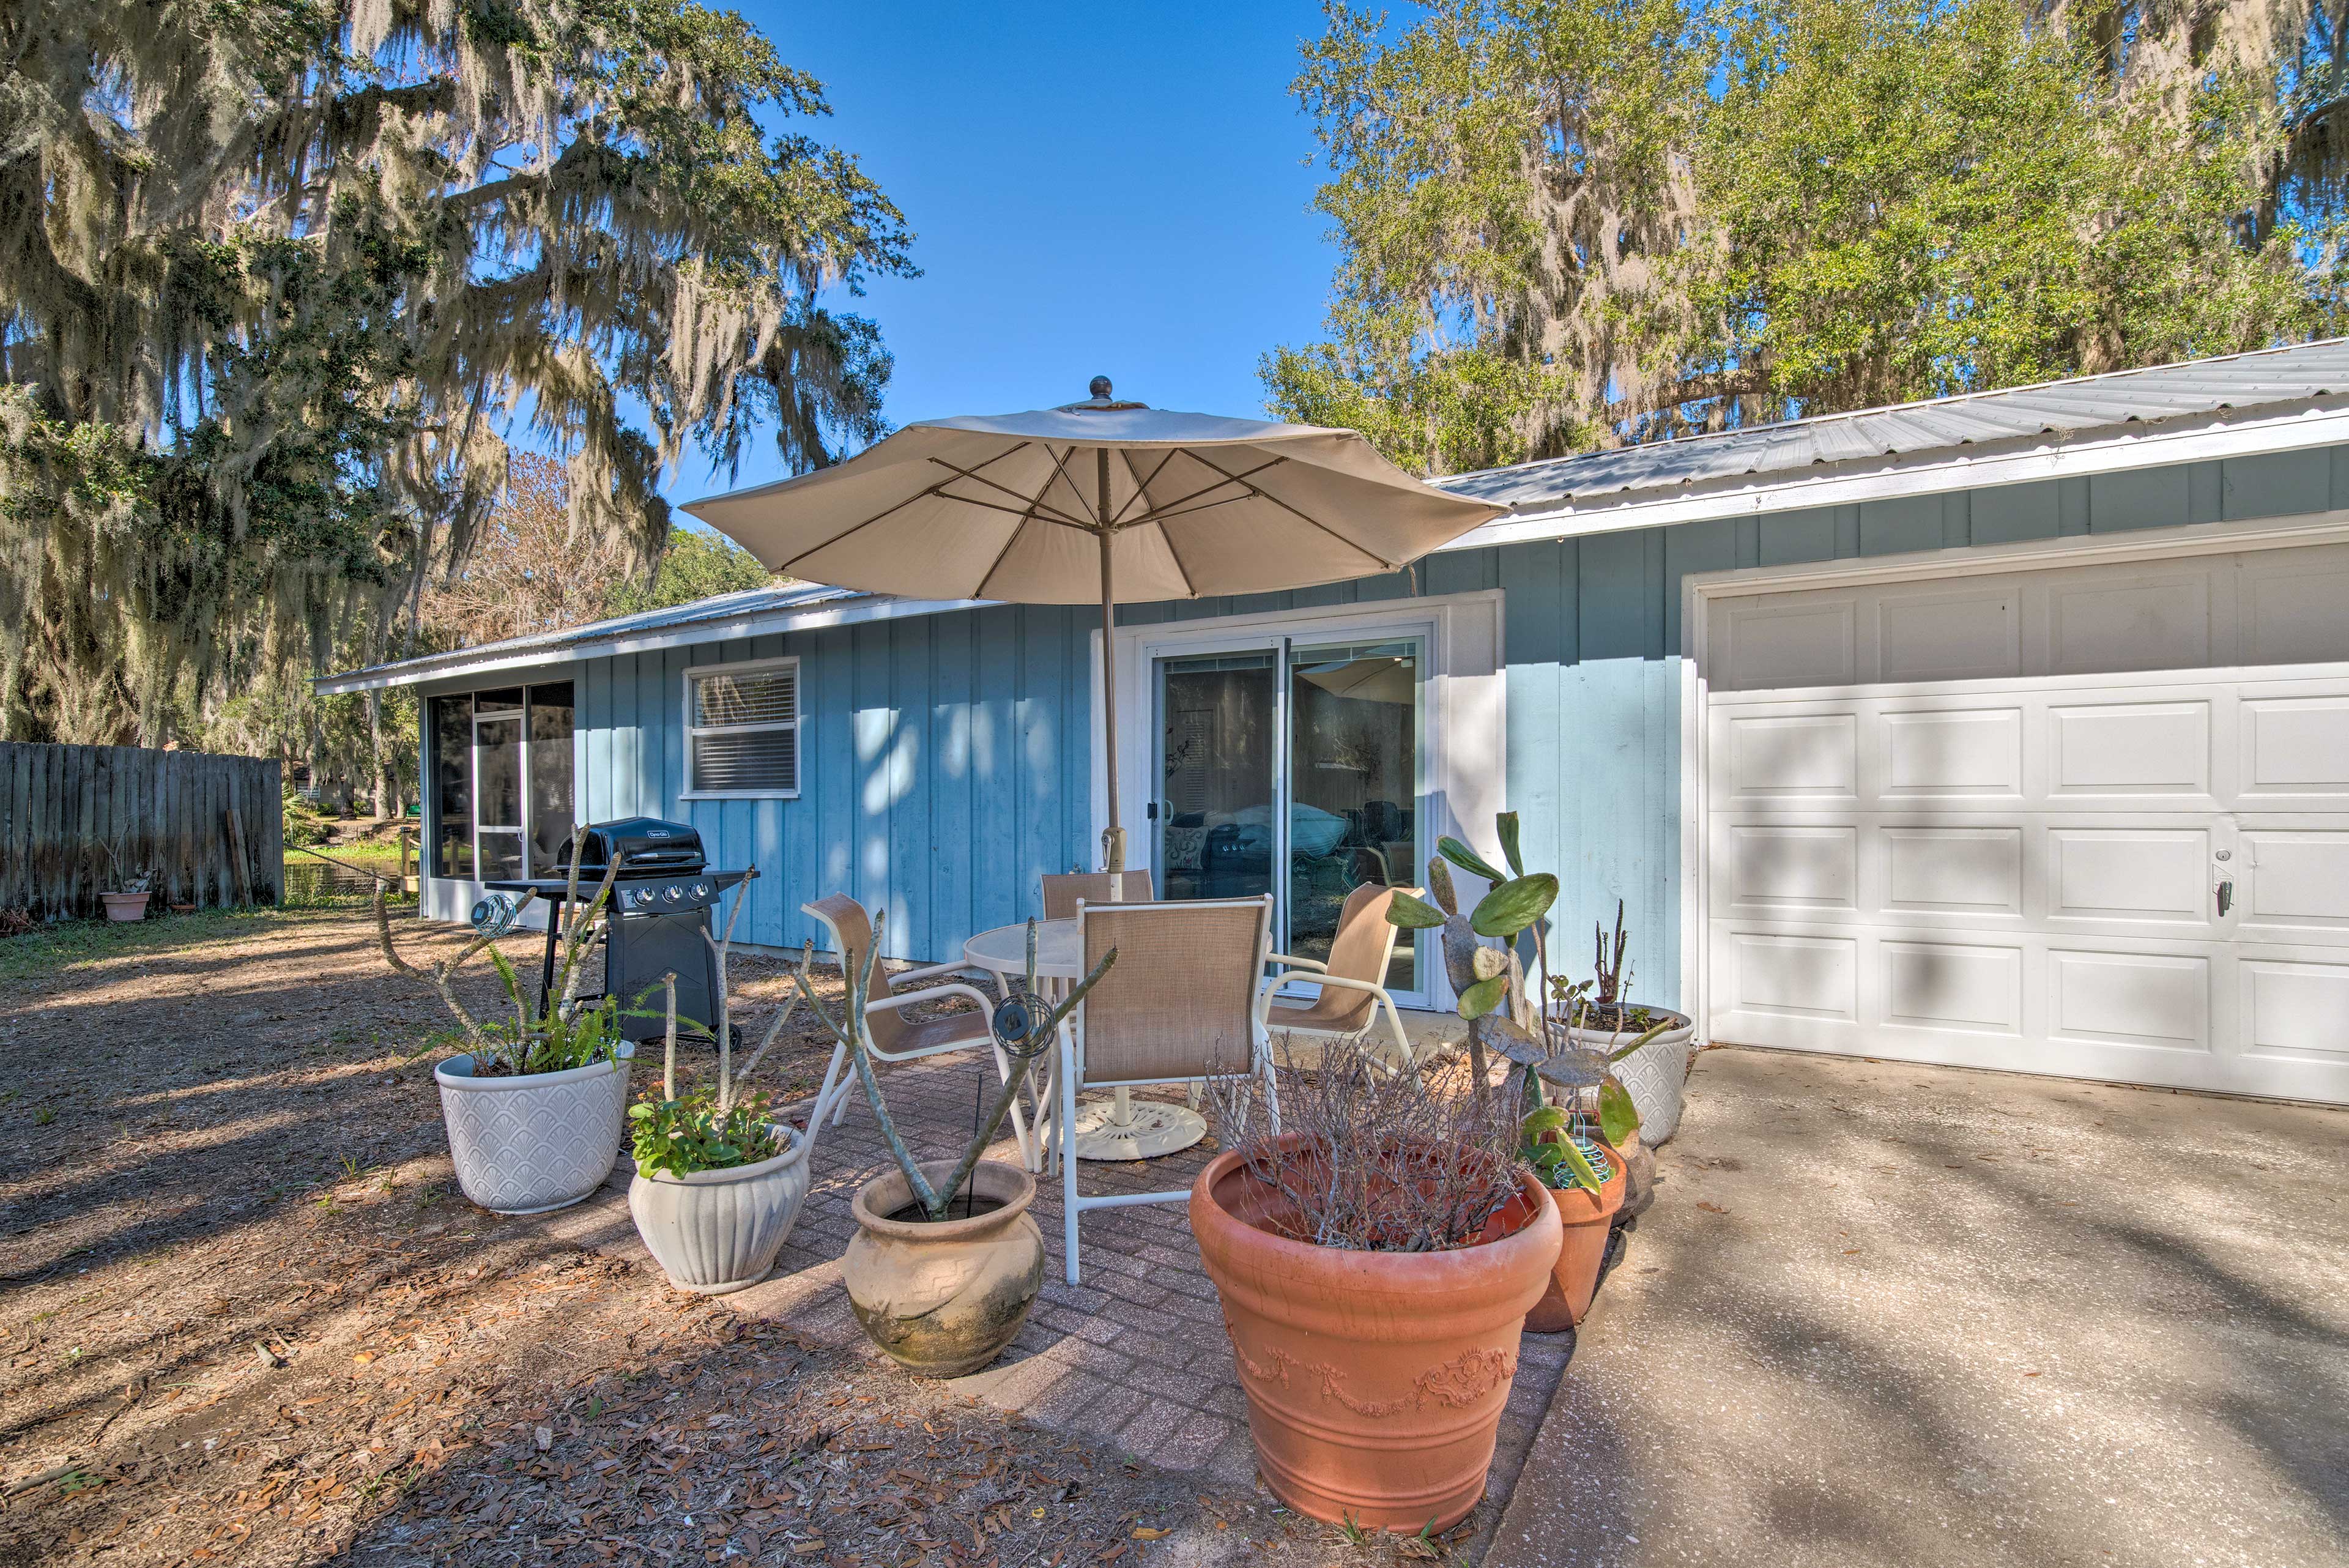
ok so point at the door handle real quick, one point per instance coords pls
(2226, 897)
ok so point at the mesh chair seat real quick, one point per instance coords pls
(1064, 891)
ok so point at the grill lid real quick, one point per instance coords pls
(639, 843)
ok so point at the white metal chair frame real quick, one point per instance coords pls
(1068, 1079)
(1382, 1005)
(841, 1074)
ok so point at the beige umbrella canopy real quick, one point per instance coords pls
(1099, 502)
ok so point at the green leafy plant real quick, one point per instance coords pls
(1557, 1143)
(565, 1032)
(1482, 958)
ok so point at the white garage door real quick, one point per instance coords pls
(2091, 821)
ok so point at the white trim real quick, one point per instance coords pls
(1464, 742)
(1698, 589)
(768, 623)
(688, 730)
(2195, 439)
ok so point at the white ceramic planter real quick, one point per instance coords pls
(1654, 1074)
(125, 908)
(717, 1231)
(526, 1145)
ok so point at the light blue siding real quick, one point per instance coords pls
(946, 760)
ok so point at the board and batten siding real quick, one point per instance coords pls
(943, 762)
(944, 759)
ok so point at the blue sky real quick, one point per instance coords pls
(1105, 189)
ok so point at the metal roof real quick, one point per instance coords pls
(582, 641)
(2057, 409)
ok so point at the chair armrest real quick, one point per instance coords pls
(897, 999)
(1347, 983)
(905, 975)
(1314, 964)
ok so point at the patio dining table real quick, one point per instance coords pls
(1115, 1126)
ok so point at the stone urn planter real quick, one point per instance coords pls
(1655, 1074)
(718, 1230)
(1587, 1218)
(126, 908)
(943, 1298)
(536, 1141)
(1375, 1381)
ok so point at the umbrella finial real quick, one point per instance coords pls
(1099, 388)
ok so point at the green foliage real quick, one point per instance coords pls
(1558, 1150)
(695, 565)
(1513, 905)
(1572, 223)
(1412, 913)
(551, 1043)
(302, 824)
(679, 1137)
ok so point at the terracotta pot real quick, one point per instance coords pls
(713, 1232)
(1374, 1380)
(125, 907)
(1588, 1219)
(944, 1299)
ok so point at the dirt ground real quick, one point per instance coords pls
(246, 1317)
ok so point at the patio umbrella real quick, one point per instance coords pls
(1102, 501)
(1380, 678)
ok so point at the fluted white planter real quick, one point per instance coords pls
(544, 1140)
(1654, 1074)
(717, 1231)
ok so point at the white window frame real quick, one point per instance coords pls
(691, 730)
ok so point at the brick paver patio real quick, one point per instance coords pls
(1136, 1356)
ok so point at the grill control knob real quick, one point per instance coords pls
(701, 889)
(672, 892)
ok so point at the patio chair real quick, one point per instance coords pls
(889, 1035)
(1179, 1006)
(1352, 979)
(1064, 891)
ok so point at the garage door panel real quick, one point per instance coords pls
(2129, 874)
(1949, 985)
(2144, 1000)
(2135, 750)
(1968, 755)
(1805, 643)
(2141, 620)
(1967, 632)
(1806, 978)
(2295, 1010)
(1950, 871)
(2295, 750)
(2295, 877)
(1774, 865)
(1788, 758)
(2291, 606)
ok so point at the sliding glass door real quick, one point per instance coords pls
(1293, 769)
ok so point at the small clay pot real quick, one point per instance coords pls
(1375, 1381)
(944, 1298)
(1588, 1217)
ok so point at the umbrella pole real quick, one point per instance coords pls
(1112, 841)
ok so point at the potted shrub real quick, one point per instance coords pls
(945, 1263)
(1601, 1016)
(534, 1106)
(1578, 1146)
(127, 902)
(718, 1180)
(1375, 1260)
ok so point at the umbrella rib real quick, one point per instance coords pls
(1142, 485)
(1175, 556)
(1159, 512)
(891, 510)
(1028, 505)
(1293, 511)
(1059, 466)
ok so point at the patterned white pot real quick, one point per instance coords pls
(717, 1231)
(1654, 1074)
(541, 1141)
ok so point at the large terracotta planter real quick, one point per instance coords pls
(713, 1232)
(1374, 1380)
(125, 908)
(944, 1299)
(1587, 1218)
(544, 1140)
(1656, 1074)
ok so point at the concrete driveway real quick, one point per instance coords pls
(1908, 1315)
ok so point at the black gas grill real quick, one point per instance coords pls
(662, 902)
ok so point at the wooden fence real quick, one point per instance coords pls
(76, 820)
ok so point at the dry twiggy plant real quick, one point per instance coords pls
(1372, 1158)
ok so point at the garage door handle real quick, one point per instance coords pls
(2226, 893)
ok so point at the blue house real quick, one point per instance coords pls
(2007, 730)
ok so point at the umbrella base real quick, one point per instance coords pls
(1124, 1128)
